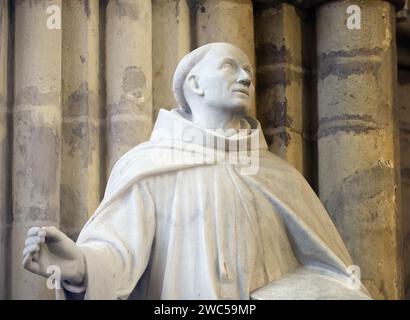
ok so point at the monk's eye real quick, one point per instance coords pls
(228, 66)
(248, 71)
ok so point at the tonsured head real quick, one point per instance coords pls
(216, 75)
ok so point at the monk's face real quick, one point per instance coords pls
(226, 77)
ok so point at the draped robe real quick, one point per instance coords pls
(179, 220)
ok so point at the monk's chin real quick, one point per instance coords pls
(237, 109)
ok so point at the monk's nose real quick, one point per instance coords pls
(244, 81)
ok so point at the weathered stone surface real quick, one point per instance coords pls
(36, 136)
(403, 24)
(403, 36)
(4, 150)
(171, 40)
(307, 4)
(81, 152)
(357, 145)
(128, 75)
(403, 112)
(281, 81)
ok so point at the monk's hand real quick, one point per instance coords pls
(48, 246)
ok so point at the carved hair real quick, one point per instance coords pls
(183, 69)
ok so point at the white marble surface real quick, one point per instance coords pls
(181, 219)
(307, 283)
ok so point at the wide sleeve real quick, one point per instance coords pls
(116, 244)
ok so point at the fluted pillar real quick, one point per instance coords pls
(282, 100)
(4, 149)
(358, 149)
(36, 135)
(81, 161)
(171, 41)
(128, 75)
(226, 21)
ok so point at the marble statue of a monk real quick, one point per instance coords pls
(182, 219)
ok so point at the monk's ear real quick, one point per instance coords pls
(193, 84)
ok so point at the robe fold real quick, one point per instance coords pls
(180, 220)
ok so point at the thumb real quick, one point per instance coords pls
(53, 234)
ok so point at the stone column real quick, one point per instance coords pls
(4, 148)
(36, 134)
(358, 150)
(403, 111)
(226, 21)
(171, 41)
(128, 75)
(80, 170)
(281, 81)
